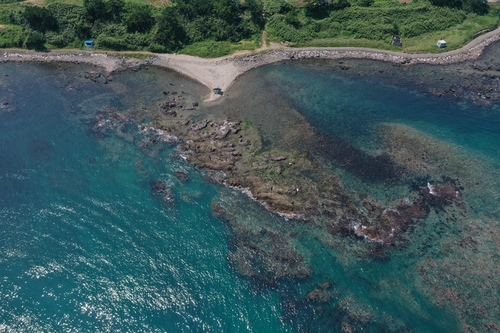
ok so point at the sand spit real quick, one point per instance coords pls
(221, 72)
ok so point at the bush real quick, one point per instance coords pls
(138, 17)
(328, 29)
(365, 3)
(34, 40)
(272, 7)
(62, 39)
(11, 36)
(100, 10)
(279, 28)
(480, 7)
(377, 23)
(5, 2)
(208, 49)
(40, 19)
(115, 36)
(67, 16)
(168, 32)
(5, 15)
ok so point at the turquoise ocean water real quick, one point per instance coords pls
(86, 247)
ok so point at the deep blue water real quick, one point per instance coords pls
(85, 246)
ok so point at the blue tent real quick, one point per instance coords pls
(89, 43)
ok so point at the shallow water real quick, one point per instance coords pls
(86, 246)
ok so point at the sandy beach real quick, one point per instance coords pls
(221, 72)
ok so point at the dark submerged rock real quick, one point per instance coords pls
(161, 190)
(267, 257)
(391, 222)
(181, 175)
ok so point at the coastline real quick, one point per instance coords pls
(275, 253)
(221, 72)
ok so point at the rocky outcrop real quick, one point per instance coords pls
(263, 255)
(213, 155)
(292, 184)
(388, 223)
(6, 105)
(160, 189)
(320, 294)
(181, 175)
(267, 257)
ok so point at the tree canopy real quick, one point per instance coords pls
(474, 6)
(126, 25)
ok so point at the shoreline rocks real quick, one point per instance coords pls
(226, 69)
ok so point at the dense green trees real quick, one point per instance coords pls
(138, 17)
(168, 33)
(473, 6)
(215, 24)
(100, 10)
(40, 19)
(480, 7)
(124, 25)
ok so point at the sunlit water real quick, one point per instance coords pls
(85, 246)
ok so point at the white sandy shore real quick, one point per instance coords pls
(221, 72)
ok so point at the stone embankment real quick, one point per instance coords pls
(221, 72)
(468, 52)
(110, 62)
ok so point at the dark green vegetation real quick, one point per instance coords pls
(120, 25)
(216, 27)
(367, 23)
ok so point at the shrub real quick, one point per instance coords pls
(138, 17)
(5, 2)
(67, 16)
(5, 14)
(279, 28)
(272, 7)
(208, 49)
(11, 36)
(115, 36)
(40, 19)
(62, 39)
(34, 40)
(328, 29)
(365, 3)
(377, 23)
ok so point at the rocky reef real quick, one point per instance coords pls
(298, 185)
(389, 222)
(293, 183)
